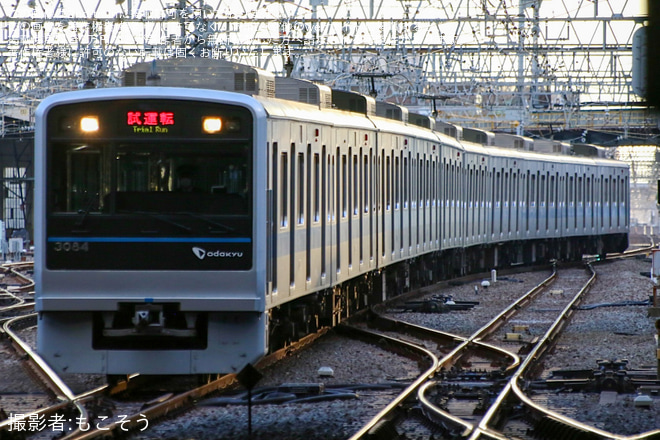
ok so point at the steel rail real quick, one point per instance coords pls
(420, 385)
(47, 375)
(537, 352)
(437, 414)
(387, 413)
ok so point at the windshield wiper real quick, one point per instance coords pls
(224, 228)
(84, 212)
(162, 218)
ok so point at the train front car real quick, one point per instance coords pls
(146, 209)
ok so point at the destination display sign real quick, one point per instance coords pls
(149, 118)
(152, 121)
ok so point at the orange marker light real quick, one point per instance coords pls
(212, 124)
(89, 124)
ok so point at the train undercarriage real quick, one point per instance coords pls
(292, 321)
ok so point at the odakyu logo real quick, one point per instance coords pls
(203, 253)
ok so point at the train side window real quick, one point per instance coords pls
(317, 186)
(344, 187)
(589, 198)
(397, 183)
(284, 189)
(528, 201)
(388, 185)
(615, 193)
(624, 198)
(580, 195)
(332, 188)
(365, 182)
(406, 184)
(601, 201)
(301, 188)
(355, 182)
(514, 197)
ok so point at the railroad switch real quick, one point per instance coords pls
(611, 375)
(438, 304)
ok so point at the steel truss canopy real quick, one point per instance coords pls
(493, 63)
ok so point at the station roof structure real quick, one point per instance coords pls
(526, 66)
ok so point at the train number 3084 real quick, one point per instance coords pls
(68, 246)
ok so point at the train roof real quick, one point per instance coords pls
(304, 100)
(280, 108)
(201, 73)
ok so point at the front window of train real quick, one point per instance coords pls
(150, 202)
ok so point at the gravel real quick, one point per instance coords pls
(598, 333)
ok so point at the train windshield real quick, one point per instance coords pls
(152, 184)
(166, 179)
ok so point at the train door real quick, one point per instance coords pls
(481, 199)
(515, 200)
(271, 232)
(506, 199)
(590, 200)
(461, 197)
(406, 220)
(561, 202)
(599, 198)
(281, 202)
(496, 189)
(552, 203)
(488, 200)
(324, 206)
(444, 198)
(417, 202)
(315, 207)
(542, 213)
(607, 213)
(469, 224)
(434, 217)
(402, 202)
(581, 205)
(332, 210)
(386, 209)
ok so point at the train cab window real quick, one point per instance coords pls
(113, 178)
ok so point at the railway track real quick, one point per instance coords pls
(465, 347)
(544, 423)
(476, 345)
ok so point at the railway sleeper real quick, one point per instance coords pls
(549, 428)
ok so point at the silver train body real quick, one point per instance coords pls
(131, 277)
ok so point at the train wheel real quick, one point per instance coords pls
(204, 379)
(115, 379)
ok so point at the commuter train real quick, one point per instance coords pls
(206, 212)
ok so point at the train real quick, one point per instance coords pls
(205, 213)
